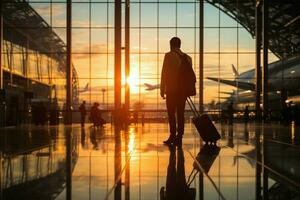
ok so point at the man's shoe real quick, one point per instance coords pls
(170, 140)
(178, 141)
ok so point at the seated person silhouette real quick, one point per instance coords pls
(95, 116)
(176, 185)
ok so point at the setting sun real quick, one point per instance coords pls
(132, 81)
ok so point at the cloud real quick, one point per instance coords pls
(57, 9)
(84, 51)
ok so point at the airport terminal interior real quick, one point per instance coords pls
(63, 61)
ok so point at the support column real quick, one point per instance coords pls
(127, 55)
(258, 168)
(265, 71)
(2, 92)
(69, 64)
(127, 164)
(117, 73)
(118, 164)
(1, 178)
(1, 39)
(258, 31)
(69, 145)
(201, 186)
(265, 173)
(201, 51)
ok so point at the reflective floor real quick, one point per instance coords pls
(251, 161)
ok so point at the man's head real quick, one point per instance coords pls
(83, 102)
(175, 42)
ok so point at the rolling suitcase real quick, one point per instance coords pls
(204, 125)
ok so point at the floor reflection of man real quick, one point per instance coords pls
(204, 160)
(176, 186)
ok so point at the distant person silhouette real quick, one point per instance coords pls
(223, 117)
(95, 116)
(54, 114)
(230, 137)
(297, 115)
(246, 114)
(176, 185)
(39, 114)
(285, 114)
(176, 94)
(230, 113)
(82, 110)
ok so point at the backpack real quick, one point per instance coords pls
(186, 77)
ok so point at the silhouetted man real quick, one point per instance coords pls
(82, 110)
(170, 86)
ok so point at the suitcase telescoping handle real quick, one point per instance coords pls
(193, 107)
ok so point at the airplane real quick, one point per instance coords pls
(283, 75)
(87, 88)
(150, 87)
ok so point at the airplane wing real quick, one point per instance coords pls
(239, 84)
(150, 87)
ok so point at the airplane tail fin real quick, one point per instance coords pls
(86, 87)
(235, 72)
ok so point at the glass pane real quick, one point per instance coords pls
(80, 15)
(186, 15)
(99, 15)
(149, 40)
(80, 40)
(167, 15)
(149, 15)
(58, 14)
(99, 41)
(228, 40)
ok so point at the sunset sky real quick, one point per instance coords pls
(93, 45)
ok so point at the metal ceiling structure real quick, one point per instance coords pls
(284, 22)
(25, 27)
(284, 18)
